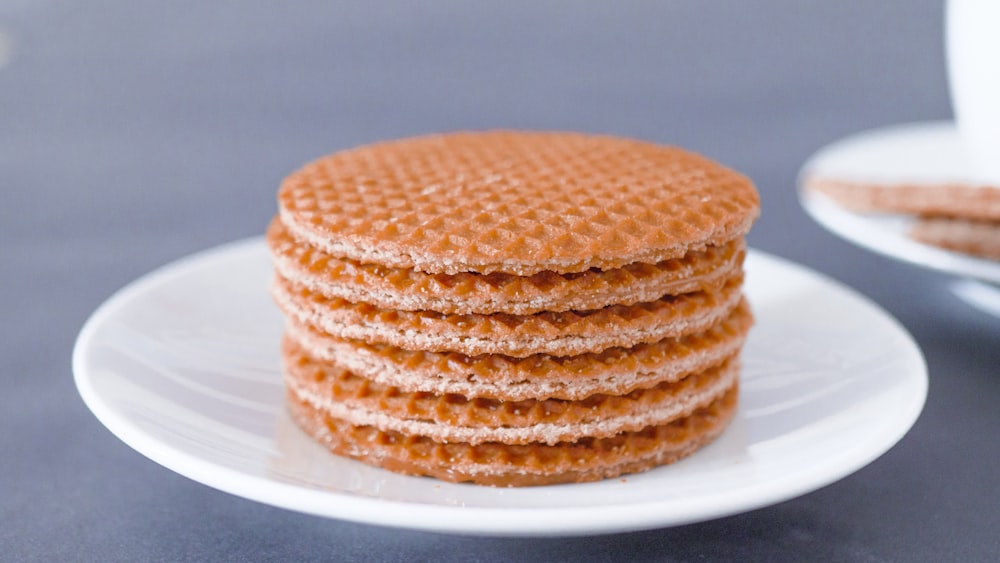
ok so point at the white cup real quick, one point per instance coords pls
(973, 45)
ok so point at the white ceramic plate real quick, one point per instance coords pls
(183, 366)
(917, 153)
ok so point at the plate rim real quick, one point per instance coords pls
(503, 521)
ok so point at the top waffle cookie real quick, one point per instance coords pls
(515, 202)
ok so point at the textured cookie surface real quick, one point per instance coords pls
(515, 202)
(457, 418)
(468, 292)
(491, 463)
(614, 371)
(562, 334)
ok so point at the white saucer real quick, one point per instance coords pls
(917, 153)
(183, 366)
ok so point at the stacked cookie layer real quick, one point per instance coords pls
(513, 308)
(955, 216)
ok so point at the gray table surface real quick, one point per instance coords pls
(135, 133)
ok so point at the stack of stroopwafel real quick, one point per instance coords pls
(513, 308)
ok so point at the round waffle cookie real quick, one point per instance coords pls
(508, 465)
(457, 418)
(562, 333)
(469, 292)
(512, 308)
(613, 371)
(515, 202)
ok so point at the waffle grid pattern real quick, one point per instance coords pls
(453, 417)
(562, 333)
(613, 371)
(469, 292)
(519, 203)
(506, 465)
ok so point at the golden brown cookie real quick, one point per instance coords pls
(515, 202)
(343, 395)
(587, 459)
(614, 371)
(976, 238)
(945, 199)
(469, 292)
(561, 334)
